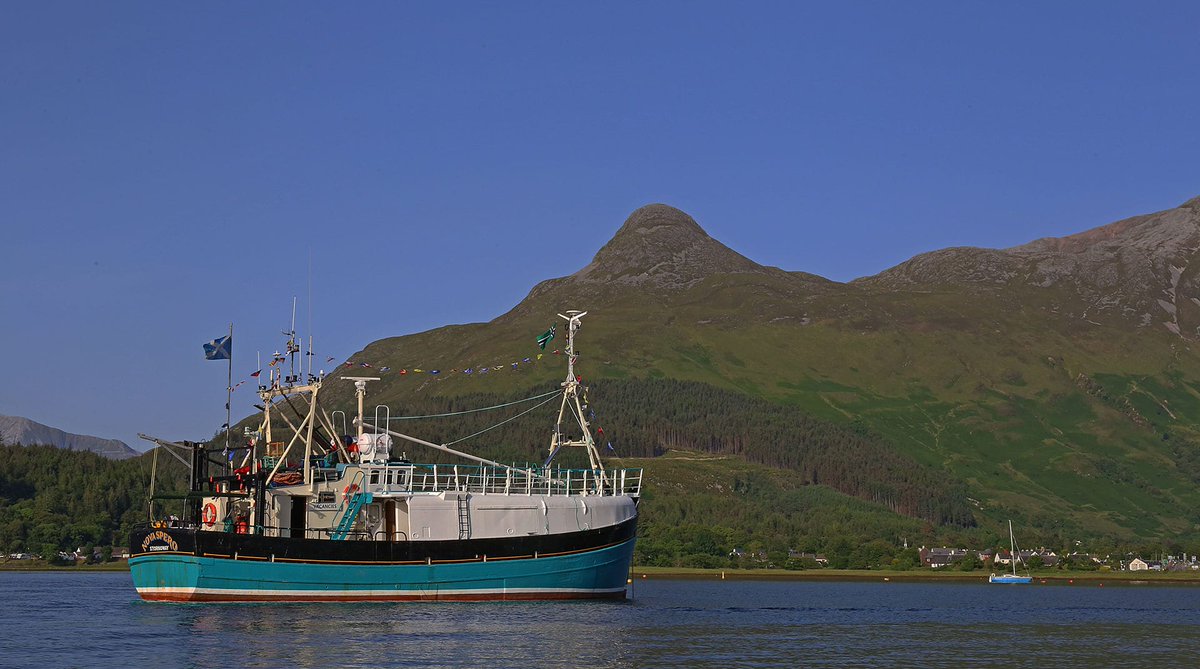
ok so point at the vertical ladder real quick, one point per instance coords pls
(356, 504)
(464, 517)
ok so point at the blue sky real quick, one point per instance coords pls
(167, 168)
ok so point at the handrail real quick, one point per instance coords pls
(434, 479)
(309, 533)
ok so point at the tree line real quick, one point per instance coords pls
(646, 418)
(53, 499)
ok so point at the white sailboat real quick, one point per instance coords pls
(1012, 578)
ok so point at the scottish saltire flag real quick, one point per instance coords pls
(220, 348)
(545, 337)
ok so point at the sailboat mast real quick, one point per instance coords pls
(1012, 547)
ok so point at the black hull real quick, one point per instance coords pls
(158, 541)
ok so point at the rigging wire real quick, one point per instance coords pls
(459, 413)
(506, 420)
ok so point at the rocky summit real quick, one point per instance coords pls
(1138, 271)
(659, 246)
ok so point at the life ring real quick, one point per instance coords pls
(210, 514)
(352, 488)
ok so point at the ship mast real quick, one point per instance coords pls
(572, 403)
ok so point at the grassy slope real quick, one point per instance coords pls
(1050, 419)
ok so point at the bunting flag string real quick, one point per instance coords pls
(220, 348)
(471, 370)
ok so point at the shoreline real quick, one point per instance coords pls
(893, 576)
(848, 575)
(107, 567)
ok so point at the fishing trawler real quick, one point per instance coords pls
(308, 519)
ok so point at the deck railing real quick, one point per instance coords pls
(398, 479)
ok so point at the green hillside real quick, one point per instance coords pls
(1017, 392)
(1055, 384)
(53, 499)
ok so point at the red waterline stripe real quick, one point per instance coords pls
(459, 597)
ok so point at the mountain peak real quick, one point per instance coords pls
(20, 430)
(662, 246)
(660, 219)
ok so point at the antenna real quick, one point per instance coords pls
(309, 314)
(292, 346)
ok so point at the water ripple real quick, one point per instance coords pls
(94, 619)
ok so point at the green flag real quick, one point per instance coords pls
(545, 337)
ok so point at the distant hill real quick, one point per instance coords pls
(18, 430)
(1055, 383)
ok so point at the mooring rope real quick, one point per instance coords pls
(459, 413)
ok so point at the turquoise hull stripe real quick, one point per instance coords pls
(604, 569)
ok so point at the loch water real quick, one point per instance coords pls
(56, 619)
